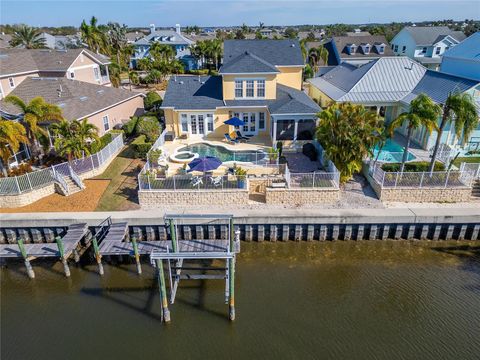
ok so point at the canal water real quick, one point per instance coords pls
(341, 300)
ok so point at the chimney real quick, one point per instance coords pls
(152, 28)
(177, 28)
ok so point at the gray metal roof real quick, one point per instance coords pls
(429, 35)
(77, 99)
(247, 63)
(188, 93)
(194, 92)
(13, 61)
(275, 52)
(387, 79)
(171, 37)
(439, 85)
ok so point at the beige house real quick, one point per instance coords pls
(260, 83)
(77, 64)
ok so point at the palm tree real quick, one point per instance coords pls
(73, 138)
(461, 110)
(117, 38)
(28, 38)
(317, 54)
(215, 51)
(93, 35)
(132, 78)
(35, 113)
(423, 113)
(12, 135)
(303, 48)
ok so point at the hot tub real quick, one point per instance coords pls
(183, 157)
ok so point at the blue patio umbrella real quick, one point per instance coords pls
(204, 164)
(234, 121)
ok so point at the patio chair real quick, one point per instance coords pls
(216, 181)
(241, 137)
(196, 181)
(229, 138)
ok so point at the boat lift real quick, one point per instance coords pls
(181, 251)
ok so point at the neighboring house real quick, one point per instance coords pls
(388, 85)
(317, 34)
(173, 38)
(463, 59)
(260, 82)
(356, 49)
(49, 40)
(78, 64)
(426, 44)
(134, 36)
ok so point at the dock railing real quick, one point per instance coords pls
(148, 181)
(20, 184)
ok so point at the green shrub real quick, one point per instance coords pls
(129, 127)
(416, 166)
(199, 72)
(152, 100)
(141, 147)
(148, 126)
(96, 146)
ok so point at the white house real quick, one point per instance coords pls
(425, 44)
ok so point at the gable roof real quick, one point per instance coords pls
(292, 101)
(247, 63)
(274, 52)
(439, 85)
(172, 38)
(429, 35)
(14, 61)
(341, 44)
(467, 49)
(387, 79)
(77, 99)
(193, 92)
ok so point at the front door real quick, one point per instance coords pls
(250, 127)
(197, 125)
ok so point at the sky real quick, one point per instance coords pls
(228, 13)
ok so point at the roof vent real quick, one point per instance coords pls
(83, 98)
(181, 82)
(292, 45)
(100, 91)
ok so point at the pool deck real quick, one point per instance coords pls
(419, 153)
(256, 143)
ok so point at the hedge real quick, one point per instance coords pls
(148, 126)
(416, 166)
(152, 100)
(104, 141)
(141, 147)
(129, 127)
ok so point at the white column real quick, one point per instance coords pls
(49, 138)
(274, 135)
(295, 130)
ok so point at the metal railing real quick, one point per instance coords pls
(472, 167)
(314, 180)
(60, 180)
(44, 177)
(149, 181)
(425, 179)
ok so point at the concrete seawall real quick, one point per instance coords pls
(284, 225)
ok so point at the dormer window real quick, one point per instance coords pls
(380, 48)
(365, 48)
(351, 49)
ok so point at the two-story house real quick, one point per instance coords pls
(355, 49)
(77, 64)
(173, 38)
(260, 82)
(425, 44)
(463, 59)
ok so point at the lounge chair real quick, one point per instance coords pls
(229, 138)
(216, 181)
(196, 181)
(241, 137)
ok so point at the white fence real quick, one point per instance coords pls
(38, 179)
(148, 181)
(472, 167)
(426, 179)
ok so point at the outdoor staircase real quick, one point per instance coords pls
(71, 185)
(476, 189)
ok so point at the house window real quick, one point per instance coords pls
(424, 50)
(201, 124)
(238, 88)
(392, 46)
(11, 81)
(403, 49)
(261, 121)
(437, 50)
(106, 125)
(210, 122)
(245, 119)
(250, 84)
(72, 74)
(396, 48)
(237, 115)
(382, 49)
(184, 122)
(96, 72)
(285, 129)
(261, 88)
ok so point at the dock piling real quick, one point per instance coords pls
(98, 257)
(137, 256)
(163, 291)
(231, 273)
(30, 272)
(66, 269)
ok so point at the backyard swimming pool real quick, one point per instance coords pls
(224, 154)
(392, 152)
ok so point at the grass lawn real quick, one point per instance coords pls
(468, 159)
(121, 193)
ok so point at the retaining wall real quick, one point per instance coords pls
(155, 198)
(301, 196)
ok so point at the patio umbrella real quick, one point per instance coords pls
(234, 121)
(204, 164)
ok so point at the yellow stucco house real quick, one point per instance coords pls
(260, 82)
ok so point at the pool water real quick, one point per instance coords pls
(223, 153)
(392, 152)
